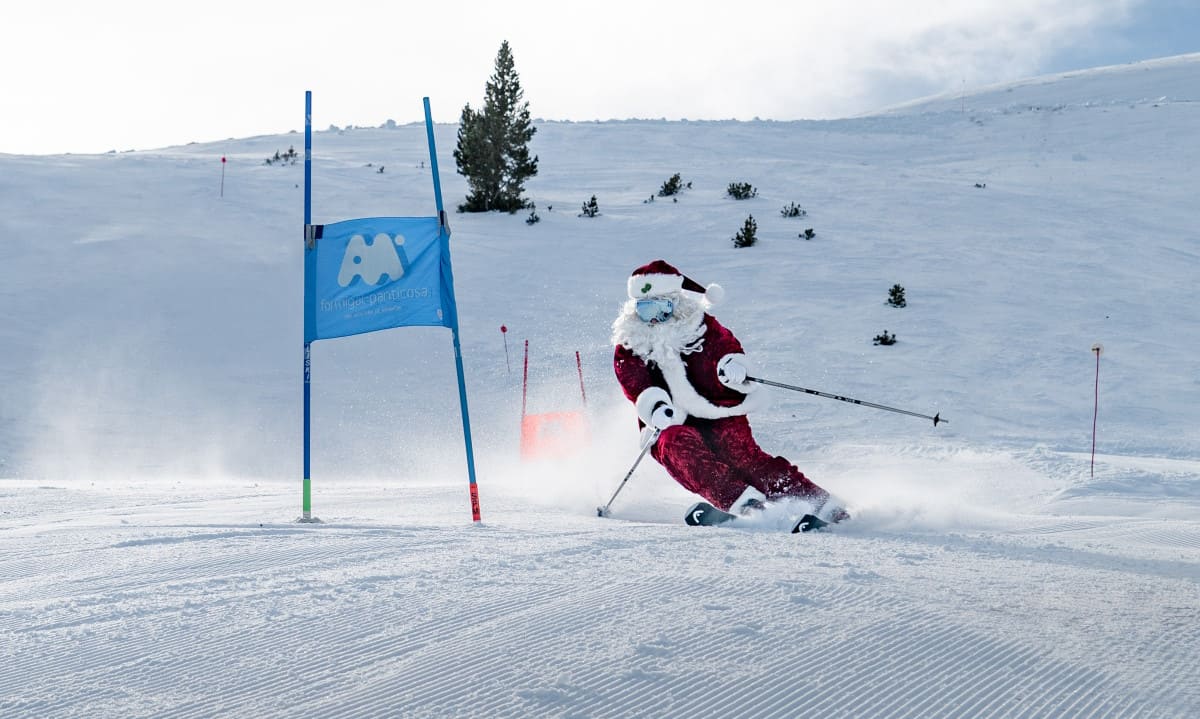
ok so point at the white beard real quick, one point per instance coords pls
(682, 333)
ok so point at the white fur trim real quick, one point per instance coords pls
(689, 400)
(648, 399)
(714, 293)
(653, 285)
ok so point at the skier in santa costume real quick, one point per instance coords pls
(686, 375)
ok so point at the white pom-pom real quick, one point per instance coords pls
(714, 293)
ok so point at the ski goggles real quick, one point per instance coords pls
(655, 310)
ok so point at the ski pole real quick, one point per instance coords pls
(603, 511)
(937, 418)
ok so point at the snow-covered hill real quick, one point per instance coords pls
(150, 425)
(1169, 79)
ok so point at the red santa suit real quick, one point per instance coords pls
(686, 375)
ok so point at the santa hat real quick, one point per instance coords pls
(658, 278)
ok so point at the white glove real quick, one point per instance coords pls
(732, 372)
(665, 415)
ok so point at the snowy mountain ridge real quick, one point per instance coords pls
(1164, 80)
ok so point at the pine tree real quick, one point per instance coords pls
(671, 187)
(493, 144)
(748, 235)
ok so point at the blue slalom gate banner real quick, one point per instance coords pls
(377, 273)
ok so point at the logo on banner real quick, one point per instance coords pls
(371, 262)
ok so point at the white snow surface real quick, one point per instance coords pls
(150, 426)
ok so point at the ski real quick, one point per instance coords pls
(703, 514)
(809, 523)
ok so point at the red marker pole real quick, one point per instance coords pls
(504, 333)
(222, 175)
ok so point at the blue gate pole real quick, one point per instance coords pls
(444, 232)
(306, 501)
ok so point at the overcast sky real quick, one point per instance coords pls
(125, 74)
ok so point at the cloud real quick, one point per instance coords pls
(96, 83)
(802, 60)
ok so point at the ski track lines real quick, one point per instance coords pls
(332, 621)
(948, 670)
(1145, 546)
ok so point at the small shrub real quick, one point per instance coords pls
(885, 339)
(590, 208)
(896, 296)
(672, 186)
(808, 234)
(793, 210)
(741, 190)
(286, 158)
(748, 235)
(533, 218)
